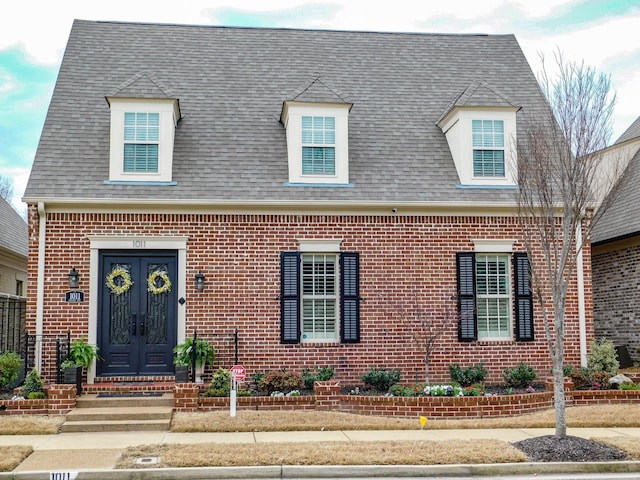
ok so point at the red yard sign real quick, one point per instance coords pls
(238, 372)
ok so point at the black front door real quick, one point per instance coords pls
(137, 313)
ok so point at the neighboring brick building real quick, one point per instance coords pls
(616, 254)
(13, 251)
(319, 180)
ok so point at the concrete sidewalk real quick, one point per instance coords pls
(87, 454)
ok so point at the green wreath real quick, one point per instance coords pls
(124, 285)
(164, 287)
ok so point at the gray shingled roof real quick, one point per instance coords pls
(231, 84)
(14, 235)
(622, 218)
(632, 132)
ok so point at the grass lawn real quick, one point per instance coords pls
(335, 453)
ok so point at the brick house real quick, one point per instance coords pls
(317, 181)
(616, 253)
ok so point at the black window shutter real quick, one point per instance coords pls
(467, 322)
(290, 297)
(349, 297)
(523, 298)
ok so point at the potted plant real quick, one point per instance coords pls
(202, 350)
(81, 355)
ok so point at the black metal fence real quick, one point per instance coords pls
(54, 350)
(13, 318)
(225, 344)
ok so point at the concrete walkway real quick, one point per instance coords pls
(85, 455)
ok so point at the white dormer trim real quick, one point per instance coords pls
(168, 111)
(456, 126)
(292, 114)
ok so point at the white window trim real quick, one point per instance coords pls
(493, 246)
(319, 245)
(334, 337)
(168, 111)
(508, 297)
(292, 119)
(498, 247)
(457, 127)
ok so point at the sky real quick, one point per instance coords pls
(33, 34)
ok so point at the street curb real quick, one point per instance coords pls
(331, 471)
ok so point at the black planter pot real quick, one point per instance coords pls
(73, 375)
(182, 374)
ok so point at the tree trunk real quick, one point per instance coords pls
(559, 401)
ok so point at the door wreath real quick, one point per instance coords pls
(165, 285)
(119, 287)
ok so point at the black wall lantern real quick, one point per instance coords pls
(199, 281)
(74, 278)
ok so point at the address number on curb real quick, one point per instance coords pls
(63, 475)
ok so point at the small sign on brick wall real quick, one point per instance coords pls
(74, 296)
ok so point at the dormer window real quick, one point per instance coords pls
(482, 144)
(480, 126)
(318, 145)
(317, 142)
(488, 148)
(142, 137)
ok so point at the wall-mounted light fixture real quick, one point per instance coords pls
(199, 281)
(74, 278)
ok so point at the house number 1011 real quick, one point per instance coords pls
(63, 476)
(139, 244)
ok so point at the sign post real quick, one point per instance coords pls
(238, 373)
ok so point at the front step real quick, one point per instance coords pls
(94, 413)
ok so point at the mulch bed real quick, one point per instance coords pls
(550, 448)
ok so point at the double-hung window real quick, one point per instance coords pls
(141, 137)
(318, 145)
(320, 300)
(493, 296)
(492, 288)
(319, 296)
(488, 148)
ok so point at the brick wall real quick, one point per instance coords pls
(402, 259)
(616, 296)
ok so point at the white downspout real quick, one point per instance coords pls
(42, 235)
(582, 316)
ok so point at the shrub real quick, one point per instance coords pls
(320, 375)
(220, 384)
(36, 395)
(580, 378)
(603, 357)
(10, 364)
(600, 380)
(381, 379)
(520, 377)
(33, 383)
(469, 375)
(279, 381)
(630, 386)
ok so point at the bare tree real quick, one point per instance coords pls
(561, 194)
(426, 323)
(6, 188)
